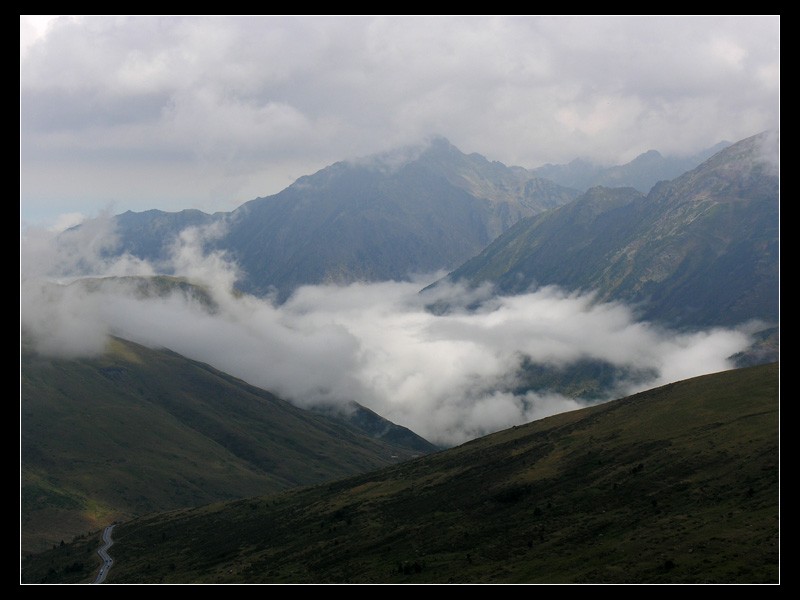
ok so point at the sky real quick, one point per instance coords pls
(449, 378)
(172, 112)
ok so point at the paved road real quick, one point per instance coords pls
(103, 552)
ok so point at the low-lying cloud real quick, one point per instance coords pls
(449, 377)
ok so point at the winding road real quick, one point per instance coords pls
(103, 552)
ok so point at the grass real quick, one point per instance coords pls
(136, 431)
(675, 485)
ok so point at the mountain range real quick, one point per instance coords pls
(413, 211)
(642, 173)
(385, 217)
(700, 250)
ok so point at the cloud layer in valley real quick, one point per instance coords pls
(208, 112)
(448, 377)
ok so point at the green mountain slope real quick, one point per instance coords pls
(138, 430)
(676, 484)
(701, 250)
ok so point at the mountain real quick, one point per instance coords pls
(416, 210)
(679, 484)
(372, 424)
(155, 286)
(197, 294)
(642, 173)
(137, 430)
(150, 235)
(698, 251)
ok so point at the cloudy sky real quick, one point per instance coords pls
(121, 113)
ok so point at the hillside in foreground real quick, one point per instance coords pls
(673, 485)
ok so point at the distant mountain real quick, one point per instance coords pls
(150, 235)
(701, 250)
(679, 484)
(642, 173)
(138, 430)
(416, 210)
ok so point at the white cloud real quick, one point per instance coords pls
(448, 377)
(84, 251)
(62, 320)
(728, 52)
(66, 221)
(32, 29)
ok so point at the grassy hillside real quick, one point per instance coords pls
(139, 430)
(677, 484)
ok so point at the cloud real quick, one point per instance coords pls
(76, 252)
(32, 28)
(67, 221)
(62, 320)
(192, 111)
(450, 377)
(769, 152)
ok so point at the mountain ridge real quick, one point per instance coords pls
(136, 429)
(700, 250)
(410, 211)
(641, 173)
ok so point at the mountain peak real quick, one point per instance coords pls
(649, 155)
(436, 147)
(440, 142)
(757, 155)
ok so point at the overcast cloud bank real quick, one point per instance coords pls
(208, 112)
